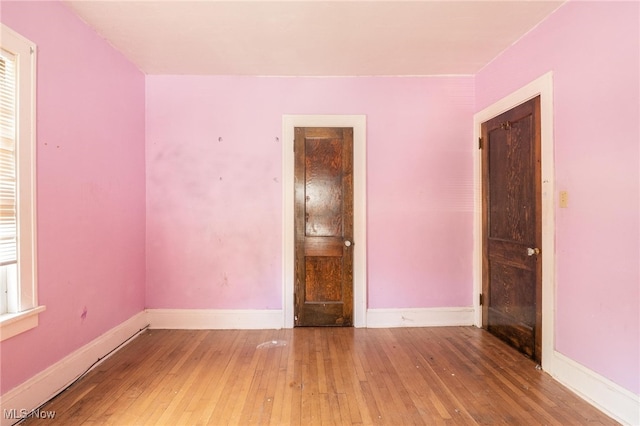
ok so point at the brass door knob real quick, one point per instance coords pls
(533, 251)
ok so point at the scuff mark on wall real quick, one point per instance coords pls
(225, 280)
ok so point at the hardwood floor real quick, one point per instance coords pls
(341, 376)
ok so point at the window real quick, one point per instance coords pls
(18, 284)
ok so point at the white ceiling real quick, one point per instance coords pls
(312, 38)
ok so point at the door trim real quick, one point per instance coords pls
(359, 125)
(542, 86)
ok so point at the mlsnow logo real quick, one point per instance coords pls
(16, 414)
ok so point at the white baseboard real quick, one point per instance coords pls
(215, 319)
(229, 319)
(419, 317)
(602, 393)
(46, 384)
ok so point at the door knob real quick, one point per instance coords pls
(347, 243)
(532, 251)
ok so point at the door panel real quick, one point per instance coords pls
(512, 285)
(323, 185)
(323, 279)
(323, 224)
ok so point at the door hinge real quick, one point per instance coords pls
(481, 299)
(479, 143)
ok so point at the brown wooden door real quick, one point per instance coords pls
(323, 226)
(512, 265)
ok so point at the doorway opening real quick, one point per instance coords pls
(358, 243)
(543, 87)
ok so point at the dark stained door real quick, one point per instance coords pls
(512, 265)
(323, 226)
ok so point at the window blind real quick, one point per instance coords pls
(8, 187)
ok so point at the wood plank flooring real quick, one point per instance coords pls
(319, 376)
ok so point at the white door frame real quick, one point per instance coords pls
(542, 86)
(359, 125)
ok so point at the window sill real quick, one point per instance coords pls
(14, 324)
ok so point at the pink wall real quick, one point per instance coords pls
(214, 184)
(90, 174)
(214, 187)
(593, 50)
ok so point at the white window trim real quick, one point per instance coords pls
(14, 324)
(27, 317)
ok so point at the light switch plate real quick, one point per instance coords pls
(564, 199)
